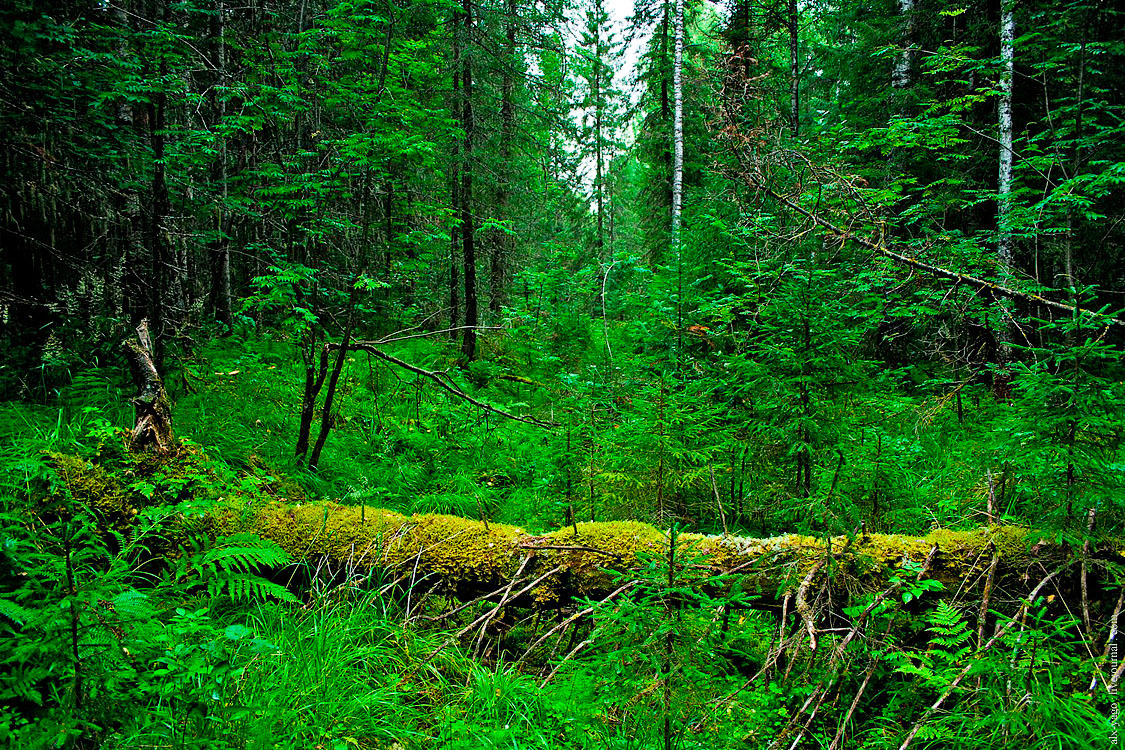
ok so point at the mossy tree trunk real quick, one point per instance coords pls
(468, 559)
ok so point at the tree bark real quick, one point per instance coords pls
(333, 380)
(677, 124)
(160, 285)
(904, 62)
(153, 426)
(220, 249)
(678, 164)
(794, 68)
(314, 380)
(1004, 115)
(502, 241)
(468, 247)
(1004, 191)
(455, 195)
(599, 166)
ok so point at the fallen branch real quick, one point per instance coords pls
(1000, 633)
(902, 258)
(437, 377)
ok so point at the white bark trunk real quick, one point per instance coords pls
(678, 167)
(1004, 182)
(678, 125)
(900, 79)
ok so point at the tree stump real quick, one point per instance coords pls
(153, 428)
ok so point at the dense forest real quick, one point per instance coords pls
(396, 374)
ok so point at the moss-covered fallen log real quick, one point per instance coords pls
(468, 558)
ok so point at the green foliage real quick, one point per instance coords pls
(664, 652)
(764, 379)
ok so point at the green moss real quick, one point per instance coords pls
(466, 554)
(91, 486)
(596, 548)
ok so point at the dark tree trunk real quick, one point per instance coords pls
(468, 247)
(314, 380)
(329, 397)
(220, 248)
(794, 68)
(502, 243)
(159, 284)
(455, 196)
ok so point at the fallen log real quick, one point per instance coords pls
(467, 558)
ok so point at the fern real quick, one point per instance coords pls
(92, 388)
(950, 631)
(231, 565)
(242, 552)
(949, 646)
(247, 587)
(13, 611)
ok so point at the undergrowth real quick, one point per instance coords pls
(127, 625)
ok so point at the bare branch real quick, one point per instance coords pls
(371, 348)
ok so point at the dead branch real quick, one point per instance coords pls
(437, 377)
(982, 620)
(902, 258)
(802, 604)
(1000, 633)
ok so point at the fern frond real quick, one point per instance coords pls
(243, 552)
(133, 604)
(248, 587)
(13, 611)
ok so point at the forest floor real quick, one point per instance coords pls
(136, 616)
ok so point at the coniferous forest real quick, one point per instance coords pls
(392, 374)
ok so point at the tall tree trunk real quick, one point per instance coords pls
(455, 194)
(665, 105)
(468, 247)
(1004, 111)
(678, 155)
(159, 209)
(599, 178)
(126, 201)
(904, 62)
(1004, 179)
(220, 249)
(502, 245)
(794, 68)
(1079, 155)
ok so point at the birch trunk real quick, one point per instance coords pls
(678, 161)
(598, 113)
(1004, 182)
(677, 125)
(901, 77)
(1004, 179)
